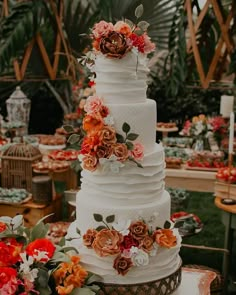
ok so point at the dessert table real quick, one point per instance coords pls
(195, 282)
(193, 180)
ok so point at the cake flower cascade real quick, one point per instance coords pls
(101, 145)
(130, 243)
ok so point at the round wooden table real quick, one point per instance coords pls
(229, 220)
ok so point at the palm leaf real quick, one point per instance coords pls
(18, 29)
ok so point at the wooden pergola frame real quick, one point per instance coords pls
(224, 47)
(61, 48)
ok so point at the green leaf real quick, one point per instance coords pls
(132, 136)
(167, 224)
(68, 128)
(143, 25)
(73, 138)
(100, 227)
(139, 11)
(110, 218)
(120, 138)
(130, 23)
(126, 127)
(98, 217)
(129, 145)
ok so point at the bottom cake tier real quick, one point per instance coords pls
(164, 286)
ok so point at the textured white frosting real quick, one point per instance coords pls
(121, 80)
(134, 192)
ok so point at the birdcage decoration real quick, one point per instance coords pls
(18, 108)
(17, 163)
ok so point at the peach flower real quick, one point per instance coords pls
(107, 135)
(90, 162)
(138, 151)
(165, 238)
(89, 237)
(92, 123)
(149, 46)
(138, 230)
(120, 150)
(122, 27)
(122, 264)
(147, 244)
(93, 105)
(107, 242)
(102, 29)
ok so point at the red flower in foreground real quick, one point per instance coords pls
(8, 278)
(138, 41)
(9, 252)
(3, 227)
(41, 245)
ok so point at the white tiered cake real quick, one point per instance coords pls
(123, 205)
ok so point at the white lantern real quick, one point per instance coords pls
(18, 107)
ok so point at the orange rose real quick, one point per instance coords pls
(122, 27)
(165, 238)
(3, 227)
(107, 242)
(107, 135)
(90, 144)
(147, 244)
(122, 264)
(120, 150)
(89, 237)
(41, 245)
(92, 123)
(90, 162)
(138, 230)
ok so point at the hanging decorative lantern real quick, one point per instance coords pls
(18, 108)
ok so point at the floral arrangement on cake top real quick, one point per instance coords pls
(131, 243)
(100, 144)
(115, 41)
(30, 263)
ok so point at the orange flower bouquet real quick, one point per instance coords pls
(130, 243)
(31, 264)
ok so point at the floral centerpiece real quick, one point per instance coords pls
(116, 40)
(204, 129)
(32, 264)
(130, 243)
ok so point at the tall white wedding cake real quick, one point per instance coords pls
(122, 206)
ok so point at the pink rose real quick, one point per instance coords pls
(122, 27)
(138, 151)
(102, 29)
(93, 105)
(149, 46)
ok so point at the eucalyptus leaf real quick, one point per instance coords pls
(143, 25)
(83, 291)
(126, 127)
(139, 11)
(73, 138)
(110, 218)
(139, 32)
(98, 217)
(130, 23)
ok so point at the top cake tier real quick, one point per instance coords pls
(122, 80)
